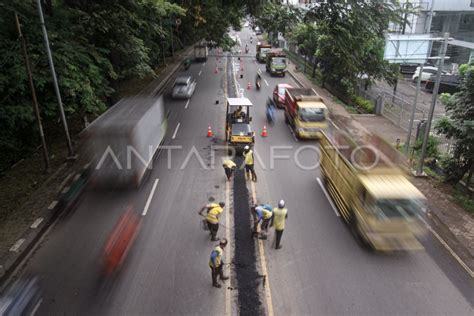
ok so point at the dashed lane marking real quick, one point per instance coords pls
(261, 251)
(266, 82)
(175, 131)
(200, 72)
(204, 65)
(16, 246)
(36, 223)
(187, 104)
(33, 312)
(328, 197)
(148, 201)
(52, 205)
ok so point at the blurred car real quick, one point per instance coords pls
(258, 31)
(183, 88)
(428, 71)
(448, 84)
(279, 94)
(410, 68)
(22, 298)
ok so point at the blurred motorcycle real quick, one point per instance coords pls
(270, 112)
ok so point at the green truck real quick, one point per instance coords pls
(276, 63)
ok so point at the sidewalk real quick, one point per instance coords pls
(36, 199)
(450, 221)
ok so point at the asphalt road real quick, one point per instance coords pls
(321, 270)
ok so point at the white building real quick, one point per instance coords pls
(440, 16)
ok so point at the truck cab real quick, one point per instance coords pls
(262, 49)
(276, 63)
(238, 130)
(200, 52)
(306, 112)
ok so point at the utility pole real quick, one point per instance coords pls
(413, 110)
(55, 80)
(33, 94)
(429, 18)
(444, 48)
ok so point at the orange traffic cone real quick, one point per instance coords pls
(248, 85)
(209, 131)
(264, 131)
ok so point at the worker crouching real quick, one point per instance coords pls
(216, 263)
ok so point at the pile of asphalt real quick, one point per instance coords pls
(248, 278)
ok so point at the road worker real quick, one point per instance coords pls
(262, 215)
(229, 167)
(249, 164)
(280, 214)
(216, 263)
(238, 114)
(214, 210)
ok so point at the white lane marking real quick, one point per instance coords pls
(450, 250)
(33, 312)
(36, 223)
(52, 205)
(77, 177)
(148, 201)
(334, 124)
(227, 310)
(175, 131)
(187, 104)
(266, 82)
(204, 64)
(263, 260)
(16, 246)
(328, 197)
(65, 190)
(200, 71)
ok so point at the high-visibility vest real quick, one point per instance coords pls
(279, 218)
(249, 157)
(229, 164)
(216, 258)
(214, 210)
(262, 212)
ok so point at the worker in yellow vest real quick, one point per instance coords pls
(280, 214)
(214, 210)
(249, 164)
(216, 263)
(262, 215)
(229, 167)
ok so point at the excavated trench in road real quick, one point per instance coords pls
(245, 258)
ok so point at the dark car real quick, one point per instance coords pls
(448, 84)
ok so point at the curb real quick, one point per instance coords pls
(66, 198)
(296, 79)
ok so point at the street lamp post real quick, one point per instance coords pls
(55, 80)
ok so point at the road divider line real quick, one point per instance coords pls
(16, 246)
(328, 197)
(266, 82)
(175, 131)
(35, 309)
(448, 248)
(36, 223)
(200, 72)
(187, 104)
(263, 260)
(227, 294)
(148, 201)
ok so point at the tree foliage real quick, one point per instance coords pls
(275, 17)
(95, 45)
(459, 126)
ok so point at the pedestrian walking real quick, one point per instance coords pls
(262, 215)
(249, 164)
(280, 214)
(216, 263)
(214, 210)
(229, 167)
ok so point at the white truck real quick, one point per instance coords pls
(200, 52)
(123, 141)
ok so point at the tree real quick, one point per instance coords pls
(275, 18)
(350, 39)
(305, 36)
(459, 126)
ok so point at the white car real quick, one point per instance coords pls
(428, 71)
(183, 88)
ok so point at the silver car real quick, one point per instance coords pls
(183, 88)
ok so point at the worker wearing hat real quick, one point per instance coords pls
(280, 214)
(249, 163)
(216, 263)
(214, 211)
(229, 167)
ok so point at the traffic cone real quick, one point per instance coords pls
(215, 70)
(248, 85)
(264, 131)
(209, 131)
